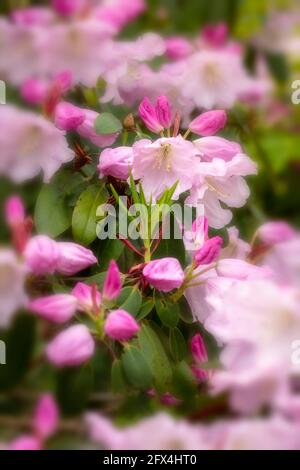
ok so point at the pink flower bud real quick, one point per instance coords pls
(71, 347)
(148, 115)
(163, 111)
(41, 255)
(217, 147)
(164, 274)
(275, 232)
(116, 162)
(241, 270)
(14, 211)
(198, 349)
(34, 91)
(177, 48)
(26, 442)
(67, 116)
(87, 130)
(112, 285)
(120, 325)
(46, 416)
(209, 252)
(209, 123)
(64, 80)
(73, 258)
(215, 35)
(57, 308)
(89, 298)
(68, 7)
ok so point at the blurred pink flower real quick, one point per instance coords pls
(26, 442)
(71, 347)
(68, 117)
(88, 297)
(276, 232)
(57, 308)
(178, 47)
(120, 325)
(116, 162)
(164, 274)
(41, 255)
(46, 416)
(34, 90)
(73, 258)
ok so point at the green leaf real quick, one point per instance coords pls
(185, 312)
(84, 220)
(136, 368)
(19, 344)
(177, 345)
(109, 249)
(172, 247)
(52, 216)
(278, 66)
(156, 356)
(168, 313)
(107, 123)
(118, 382)
(145, 309)
(74, 386)
(130, 299)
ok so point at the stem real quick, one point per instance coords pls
(187, 132)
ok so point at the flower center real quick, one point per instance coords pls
(163, 157)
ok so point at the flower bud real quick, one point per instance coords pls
(14, 211)
(41, 255)
(164, 274)
(120, 325)
(63, 80)
(112, 285)
(67, 116)
(116, 162)
(148, 115)
(217, 147)
(163, 111)
(88, 297)
(209, 252)
(177, 47)
(216, 34)
(71, 347)
(46, 416)
(57, 308)
(87, 130)
(209, 123)
(275, 232)
(198, 348)
(67, 7)
(26, 442)
(73, 258)
(34, 91)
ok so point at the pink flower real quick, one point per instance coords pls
(239, 269)
(215, 35)
(160, 164)
(41, 255)
(68, 7)
(34, 90)
(57, 308)
(113, 283)
(164, 274)
(199, 354)
(26, 442)
(63, 80)
(163, 111)
(73, 258)
(120, 325)
(177, 47)
(32, 16)
(14, 211)
(87, 130)
(89, 298)
(67, 116)
(116, 162)
(71, 347)
(149, 117)
(46, 416)
(217, 147)
(209, 252)
(275, 232)
(209, 123)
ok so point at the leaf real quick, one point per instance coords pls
(19, 344)
(155, 356)
(172, 247)
(168, 313)
(136, 368)
(146, 308)
(74, 386)
(185, 312)
(177, 344)
(107, 123)
(278, 66)
(130, 300)
(84, 220)
(109, 249)
(118, 383)
(52, 216)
